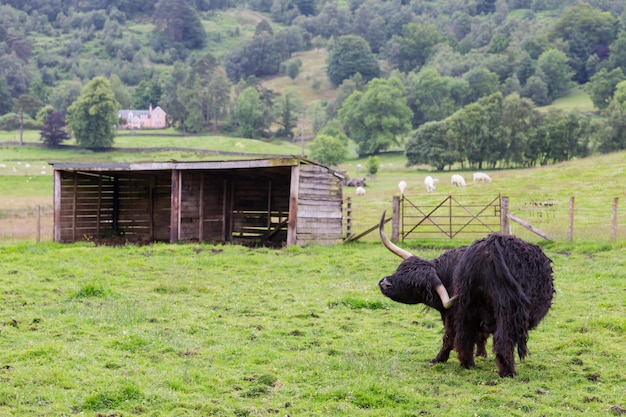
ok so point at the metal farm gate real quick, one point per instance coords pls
(428, 218)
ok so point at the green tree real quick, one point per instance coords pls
(293, 69)
(564, 136)
(344, 91)
(44, 113)
(557, 72)
(178, 24)
(287, 110)
(120, 91)
(377, 117)
(333, 128)
(482, 82)
(29, 105)
(601, 86)
(432, 144)
(260, 56)
(598, 27)
(147, 92)
(350, 55)
(219, 96)
(519, 118)
(39, 90)
(617, 54)
(536, 90)
(193, 121)
(328, 150)
(477, 131)
(173, 99)
(526, 68)
(417, 45)
(433, 96)
(372, 165)
(5, 97)
(249, 112)
(204, 69)
(65, 93)
(92, 116)
(615, 114)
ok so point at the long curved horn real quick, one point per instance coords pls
(445, 298)
(388, 244)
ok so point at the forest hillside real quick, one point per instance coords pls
(431, 75)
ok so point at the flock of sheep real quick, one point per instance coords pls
(23, 168)
(456, 180)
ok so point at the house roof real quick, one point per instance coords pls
(188, 165)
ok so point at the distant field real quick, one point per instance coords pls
(576, 99)
(540, 195)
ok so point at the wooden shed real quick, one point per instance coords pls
(284, 201)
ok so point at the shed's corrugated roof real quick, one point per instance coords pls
(186, 165)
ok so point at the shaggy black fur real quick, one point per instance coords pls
(501, 285)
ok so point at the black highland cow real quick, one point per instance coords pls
(500, 285)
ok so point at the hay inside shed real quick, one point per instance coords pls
(279, 201)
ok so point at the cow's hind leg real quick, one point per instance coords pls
(504, 349)
(481, 344)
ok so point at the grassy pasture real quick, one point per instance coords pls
(576, 100)
(172, 330)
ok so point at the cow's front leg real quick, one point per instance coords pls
(446, 348)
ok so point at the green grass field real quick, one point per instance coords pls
(173, 330)
(576, 100)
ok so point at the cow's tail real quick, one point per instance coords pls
(514, 306)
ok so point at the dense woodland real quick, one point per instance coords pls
(452, 82)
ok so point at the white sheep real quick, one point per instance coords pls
(430, 183)
(402, 186)
(457, 180)
(360, 191)
(481, 177)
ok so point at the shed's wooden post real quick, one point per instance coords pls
(57, 206)
(395, 219)
(175, 206)
(74, 202)
(201, 210)
(294, 190)
(505, 225)
(348, 217)
(570, 233)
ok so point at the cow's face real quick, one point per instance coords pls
(413, 282)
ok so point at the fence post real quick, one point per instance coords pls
(395, 219)
(505, 226)
(614, 223)
(570, 233)
(38, 231)
(348, 217)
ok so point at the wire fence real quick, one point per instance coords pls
(572, 219)
(577, 219)
(32, 224)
